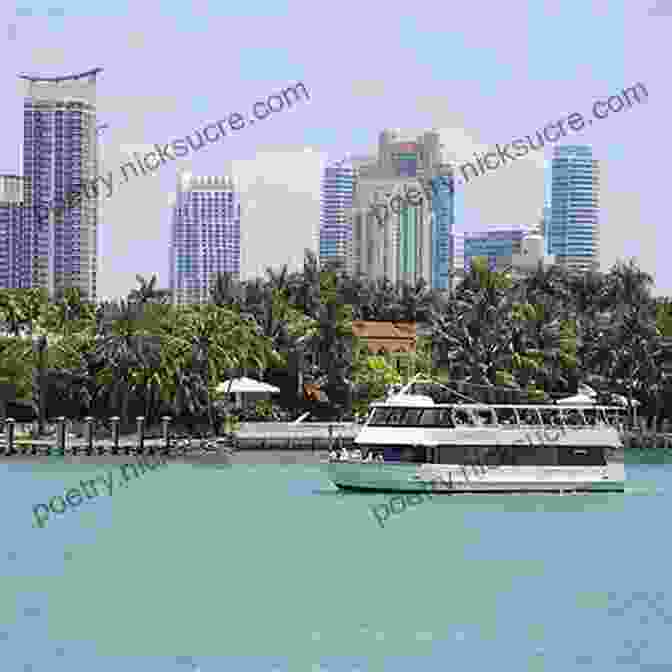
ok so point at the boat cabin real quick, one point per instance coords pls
(523, 435)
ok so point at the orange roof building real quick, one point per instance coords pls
(386, 337)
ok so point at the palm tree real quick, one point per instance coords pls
(587, 294)
(414, 302)
(542, 345)
(119, 350)
(357, 292)
(627, 285)
(226, 290)
(305, 286)
(69, 312)
(12, 310)
(278, 280)
(148, 376)
(664, 315)
(147, 292)
(630, 353)
(546, 281)
(474, 336)
(35, 304)
(383, 295)
(211, 340)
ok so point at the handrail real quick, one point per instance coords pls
(423, 378)
(480, 404)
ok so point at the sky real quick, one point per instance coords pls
(481, 72)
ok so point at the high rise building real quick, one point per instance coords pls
(516, 248)
(338, 182)
(443, 202)
(410, 242)
(11, 223)
(572, 231)
(500, 245)
(59, 246)
(390, 241)
(205, 236)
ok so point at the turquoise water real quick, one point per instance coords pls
(267, 567)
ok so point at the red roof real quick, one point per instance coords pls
(389, 336)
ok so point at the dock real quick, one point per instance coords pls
(257, 438)
(309, 436)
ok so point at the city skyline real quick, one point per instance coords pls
(279, 164)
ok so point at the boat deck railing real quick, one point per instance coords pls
(495, 416)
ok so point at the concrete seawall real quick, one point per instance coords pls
(302, 436)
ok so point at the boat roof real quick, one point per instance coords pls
(553, 407)
(409, 400)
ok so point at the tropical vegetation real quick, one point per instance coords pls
(544, 333)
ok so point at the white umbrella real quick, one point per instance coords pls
(245, 386)
(576, 400)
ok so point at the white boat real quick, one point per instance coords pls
(411, 444)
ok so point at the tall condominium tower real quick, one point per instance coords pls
(205, 237)
(409, 242)
(60, 156)
(572, 231)
(11, 223)
(335, 227)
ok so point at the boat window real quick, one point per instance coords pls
(590, 415)
(485, 417)
(531, 455)
(614, 418)
(506, 416)
(547, 416)
(552, 417)
(414, 454)
(496, 456)
(601, 416)
(529, 416)
(474, 455)
(462, 417)
(395, 416)
(412, 417)
(436, 417)
(379, 416)
(574, 418)
(557, 417)
(451, 455)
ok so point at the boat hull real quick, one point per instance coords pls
(455, 479)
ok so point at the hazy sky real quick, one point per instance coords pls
(482, 72)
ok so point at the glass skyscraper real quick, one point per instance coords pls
(572, 231)
(443, 227)
(338, 183)
(59, 246)
(205, 237)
